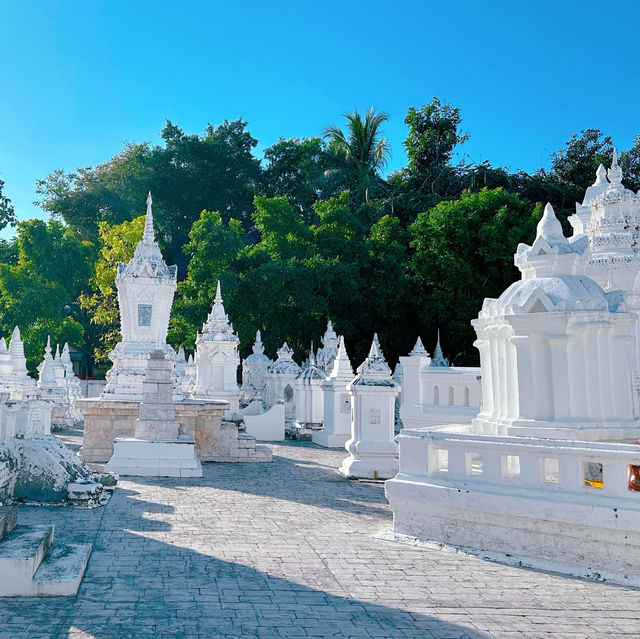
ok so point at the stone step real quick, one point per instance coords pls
(21, 552)
(61, 572)
(8, 521)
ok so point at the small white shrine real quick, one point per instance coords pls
(254, 373)
(217, 358)
(329, 349)
(547, 473)
(281, 381)
(308, 398)
(146, 286)
(337, 402)
(373, 452)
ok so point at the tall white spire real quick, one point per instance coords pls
(342, 369)
(438, 358)
(148, 235)
(258, 347)
(615, 172)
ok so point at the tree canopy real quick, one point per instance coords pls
(312, 231)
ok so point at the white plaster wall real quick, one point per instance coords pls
(268, 426)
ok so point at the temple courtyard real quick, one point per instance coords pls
(291, 549)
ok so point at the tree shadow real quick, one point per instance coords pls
(153, 578)
(291, 476)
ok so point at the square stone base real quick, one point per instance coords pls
(329, 440)
(142, 458)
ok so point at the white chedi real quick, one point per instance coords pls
(554, 347)
(336, 428)
(51, 389)
(308, 397)
(146, 286)
(373, 452)
(73, 385)
(217, 358)
(327, 353)
(281, 381)
(254, 372)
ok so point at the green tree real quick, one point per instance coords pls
(630, 163)
(186, 174)
(51, 272)
(434, 132)
(295, 169)
(575, 164)
(7, 213)
(117, 243)
(463, 253)
(360, 153)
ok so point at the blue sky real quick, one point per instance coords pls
(78, 79)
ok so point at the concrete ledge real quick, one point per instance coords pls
(593, 538)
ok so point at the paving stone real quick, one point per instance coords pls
(289, 549)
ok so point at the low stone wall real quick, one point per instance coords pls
(568, 506)
(216, 440)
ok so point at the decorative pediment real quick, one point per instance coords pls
(538, 302)
(218, 356)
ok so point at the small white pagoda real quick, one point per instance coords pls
(373, 452)
(336, 428)
(254, 371)
(146, 286)
(217, 358)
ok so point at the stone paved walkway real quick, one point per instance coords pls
(289, 549)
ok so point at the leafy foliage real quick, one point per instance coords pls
(313, 232)
(51, 271)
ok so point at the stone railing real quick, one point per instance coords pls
(519, 463)
(568, 506)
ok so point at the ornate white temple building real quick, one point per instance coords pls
(546, 473)
(146, 286)
(217, 358)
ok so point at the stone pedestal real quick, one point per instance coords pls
(158, 448)
(144, 458)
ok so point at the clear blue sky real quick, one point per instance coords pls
(78, 79)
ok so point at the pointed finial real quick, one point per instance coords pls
(419, 348)
(375, 350)
(550, 228)
(258, 348)
(438, 358)
(218, 298)
(341, 369)
(601, 176)
(57, 355)
(148, 235)
(16, 334)
(615, 172)
(3, 345)
(47, 348)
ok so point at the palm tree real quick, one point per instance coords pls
(362, 153)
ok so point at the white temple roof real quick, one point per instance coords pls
(550, 294)
(147, 260)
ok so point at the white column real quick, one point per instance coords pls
(560, 372)
(522, 345)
